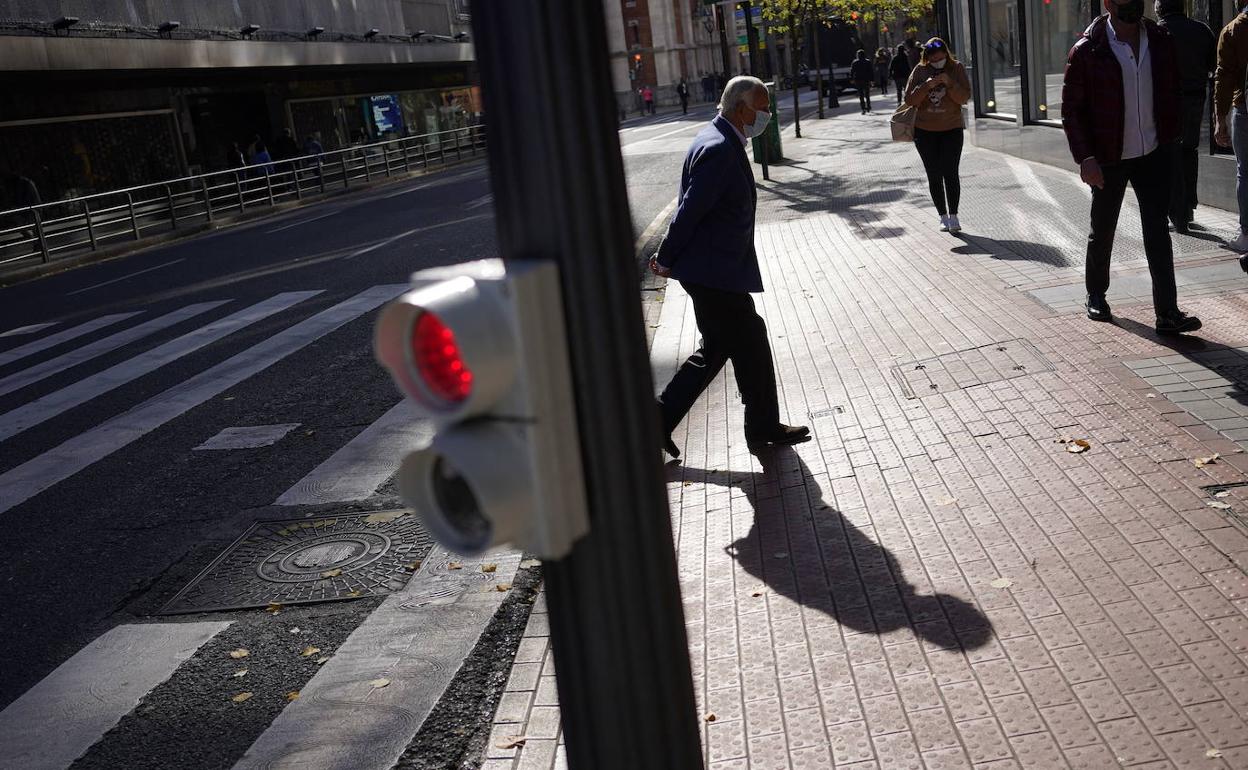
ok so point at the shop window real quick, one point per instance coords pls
(1001, 57)
(1055, 26)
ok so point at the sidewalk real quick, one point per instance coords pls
(935, 581)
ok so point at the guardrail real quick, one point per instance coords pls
(53, 230)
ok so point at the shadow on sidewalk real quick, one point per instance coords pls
(1012, 251)
(1229, 362)
(828, 194)
(838, 569)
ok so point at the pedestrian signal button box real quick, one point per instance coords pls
(480, 348)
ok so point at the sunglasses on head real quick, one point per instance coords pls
(934, 46)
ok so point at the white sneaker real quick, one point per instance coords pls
(954, 225)
(944, 224)
(1240, 244)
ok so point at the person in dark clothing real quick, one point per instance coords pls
(284, 146)
(899, 70)
(1120, 112)
(682, 91)
(861, 72)
(709, 249)
(882, 60)
(913, 52)
(1197, 57)
(234, 157)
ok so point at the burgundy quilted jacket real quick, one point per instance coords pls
(1092, 101)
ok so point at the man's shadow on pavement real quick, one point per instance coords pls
(1215, 356)
(838, 569)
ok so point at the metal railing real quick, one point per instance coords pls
(53, 230)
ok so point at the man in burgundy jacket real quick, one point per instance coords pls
(1120, 111)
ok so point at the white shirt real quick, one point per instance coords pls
(1139, 125)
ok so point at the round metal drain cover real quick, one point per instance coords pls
(309, 560)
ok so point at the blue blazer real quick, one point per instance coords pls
(710, 241)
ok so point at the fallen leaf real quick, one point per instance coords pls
(240, 673)
(309, 651)
(239, 653)
(511, 742)
(1002, 582)
(273, 608)
(454, 565)
(322, 661)
(947, 501)
(489, 567)
(1212, 753)
(242, 696)
(413, 566)
(1201, 462)
(294, 630)
(354, 593)
(710, 717)
(330, 573)
(1078, 446)
(1221, 506)
(757, 594)
(503, 588)
(384, 517)
(1223, 493)
(229, 398)
(530, 563)
(1150, 395)
(293, 695)
(380, 683)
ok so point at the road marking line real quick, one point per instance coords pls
(655, 225)
(124, 277)
(57, 464)
(387, 241)
(309, 220)
(62, 716)
(27, 329)
(52, 340)
(77, 356)
(35, 412)
(364, 463)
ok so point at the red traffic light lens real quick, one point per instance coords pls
(438, 360)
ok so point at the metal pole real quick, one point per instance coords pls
(203, 186)
(621, 655)
(346, 179)
(134, 221)
(173, 210)
(86, 214)
(751, 36)
(723, 39)
(39, 233)
(238, 187)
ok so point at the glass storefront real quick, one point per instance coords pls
(1001, 57)
(1054, 26)
(349, 120)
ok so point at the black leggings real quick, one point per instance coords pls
(941, 152)
(864, 96)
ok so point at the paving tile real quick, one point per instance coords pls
(1038, 751)
(850, 743)
(983, 740)
(1130, 741)
(1070, 725)
(1219, 723)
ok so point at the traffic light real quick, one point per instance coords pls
(480, 349)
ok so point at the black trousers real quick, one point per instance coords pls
(1149, 176)
(1185, 166)
(864, 96)
(731, 331)
(941, 152)
(901, 86)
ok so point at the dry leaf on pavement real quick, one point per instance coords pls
(294, 630)
(242, 696)
(329, 573)
(240, 672)
(321, 661)
(239, 653)
(710, 717)
(1150, 395)
(1222, 493)
(1002, 582)
(503, 588)
(380, 683)
(454, 565)
(413, 566)
(1221, 506)
(511, 742)
(530, 563)
(1201, 462)
(1077, 446)
(293, 695)
(273, 608)
(757, 594)
(1212, 753)
(309, 651)
(489, 567)
(947, 501)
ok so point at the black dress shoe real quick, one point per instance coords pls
(1182, 227)
(1098, 308)
(781, 435)
(670, 447)
(1177, 322)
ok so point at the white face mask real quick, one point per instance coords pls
(938, 65)
(761, 119)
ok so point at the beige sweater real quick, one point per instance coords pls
(940, 107)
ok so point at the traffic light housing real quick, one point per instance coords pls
(480, 349)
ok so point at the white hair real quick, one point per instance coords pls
(737, 91)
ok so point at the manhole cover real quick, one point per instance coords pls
(299, 561)
(967, 368)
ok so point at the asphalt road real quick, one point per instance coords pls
(104, 521)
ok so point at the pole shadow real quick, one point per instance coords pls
(826, 563)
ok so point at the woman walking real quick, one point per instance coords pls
(882, 60)
(899, 70)
(938, 88)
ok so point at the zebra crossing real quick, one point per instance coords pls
(75, 706)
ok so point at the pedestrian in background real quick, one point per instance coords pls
(1231, 130)
(913, 53)
(937, 89)
(709, 248)
(234, 157)
(260, 156)
(284, 146)
(682, 91)
(899, 70)
(861, 72)
(882, 60)
(1196, 56)
(1120, 112)
(647, 98)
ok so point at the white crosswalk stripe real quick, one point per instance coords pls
(33, 374)
(52, 340)
(31, 329)
(53, 404)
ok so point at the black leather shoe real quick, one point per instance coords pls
(670, 447)
(1177, 322)
(781, 435)
(1098, 308)
(1181, 227)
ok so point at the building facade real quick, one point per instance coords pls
(100, 95)
(1015, 51)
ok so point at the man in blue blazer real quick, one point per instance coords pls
(709, 248)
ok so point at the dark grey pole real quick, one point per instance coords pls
(617, 623)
